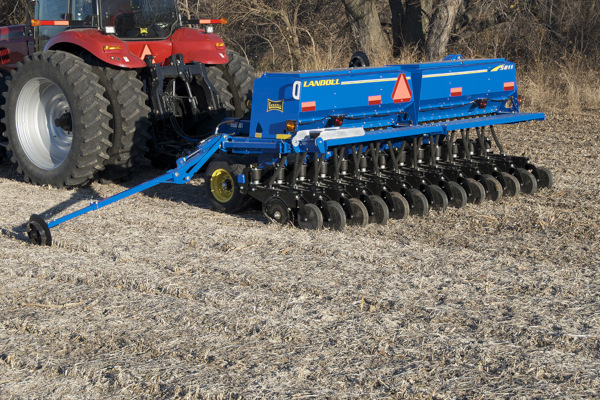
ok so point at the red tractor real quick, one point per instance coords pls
(91, 87)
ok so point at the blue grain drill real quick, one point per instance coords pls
(352, 146)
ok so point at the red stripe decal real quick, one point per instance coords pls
(509, 86)
(374, 100)
(456, 92)
(309, 106)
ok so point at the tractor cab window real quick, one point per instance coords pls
(139, 19)
(50, 11)
(83, 10)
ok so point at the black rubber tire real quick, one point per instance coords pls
(130, 121)
(511, 187)
(419, 206)
(238, 201)
(215, 75)
(89, 116)
(400, 208)
(527, 181)
(439, 199)
(380, 214)
(457, 196)
(493, 188)
(334, 217)
(477, 191)
(310, 217)
(545, 178)
(240, 77)
(38, 231)
(3, 89)
(359, 215)
(359, 59)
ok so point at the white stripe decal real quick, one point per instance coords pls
(371, 81)
(481, 71)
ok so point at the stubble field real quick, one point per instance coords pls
(157, 296)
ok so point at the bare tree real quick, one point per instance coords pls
(410, 20)
(367, 27)
(13, 12)
(442, 23)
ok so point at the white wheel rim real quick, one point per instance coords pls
(40, 104)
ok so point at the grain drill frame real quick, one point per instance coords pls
(353, 146)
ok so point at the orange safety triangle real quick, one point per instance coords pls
(402, 92)
(146, 52)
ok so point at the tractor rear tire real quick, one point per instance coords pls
(130, 121)
(57, 120)
(240, 77)
(222, 188)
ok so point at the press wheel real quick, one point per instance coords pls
(400, 208)
(545, 178)
(493, 188)
(379, 213)
(275, 209)
(310, 217)
(358, 215)
(419, 205)
(457, 196)
(436, 197)
(477, 190)
(511, 187)
(527, 181)
(334, 216)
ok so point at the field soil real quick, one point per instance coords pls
(158, 296)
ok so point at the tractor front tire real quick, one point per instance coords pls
(222, 188)
(3, 89)
(56, 119)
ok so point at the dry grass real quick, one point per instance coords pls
(569, 84)
(159, 297)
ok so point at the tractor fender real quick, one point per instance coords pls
(198, 46)
(107, 48)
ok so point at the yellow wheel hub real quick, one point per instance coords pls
(221, 185)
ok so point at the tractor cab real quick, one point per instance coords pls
(126, 19)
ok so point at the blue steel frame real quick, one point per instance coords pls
(186, 169)
(190, 165)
